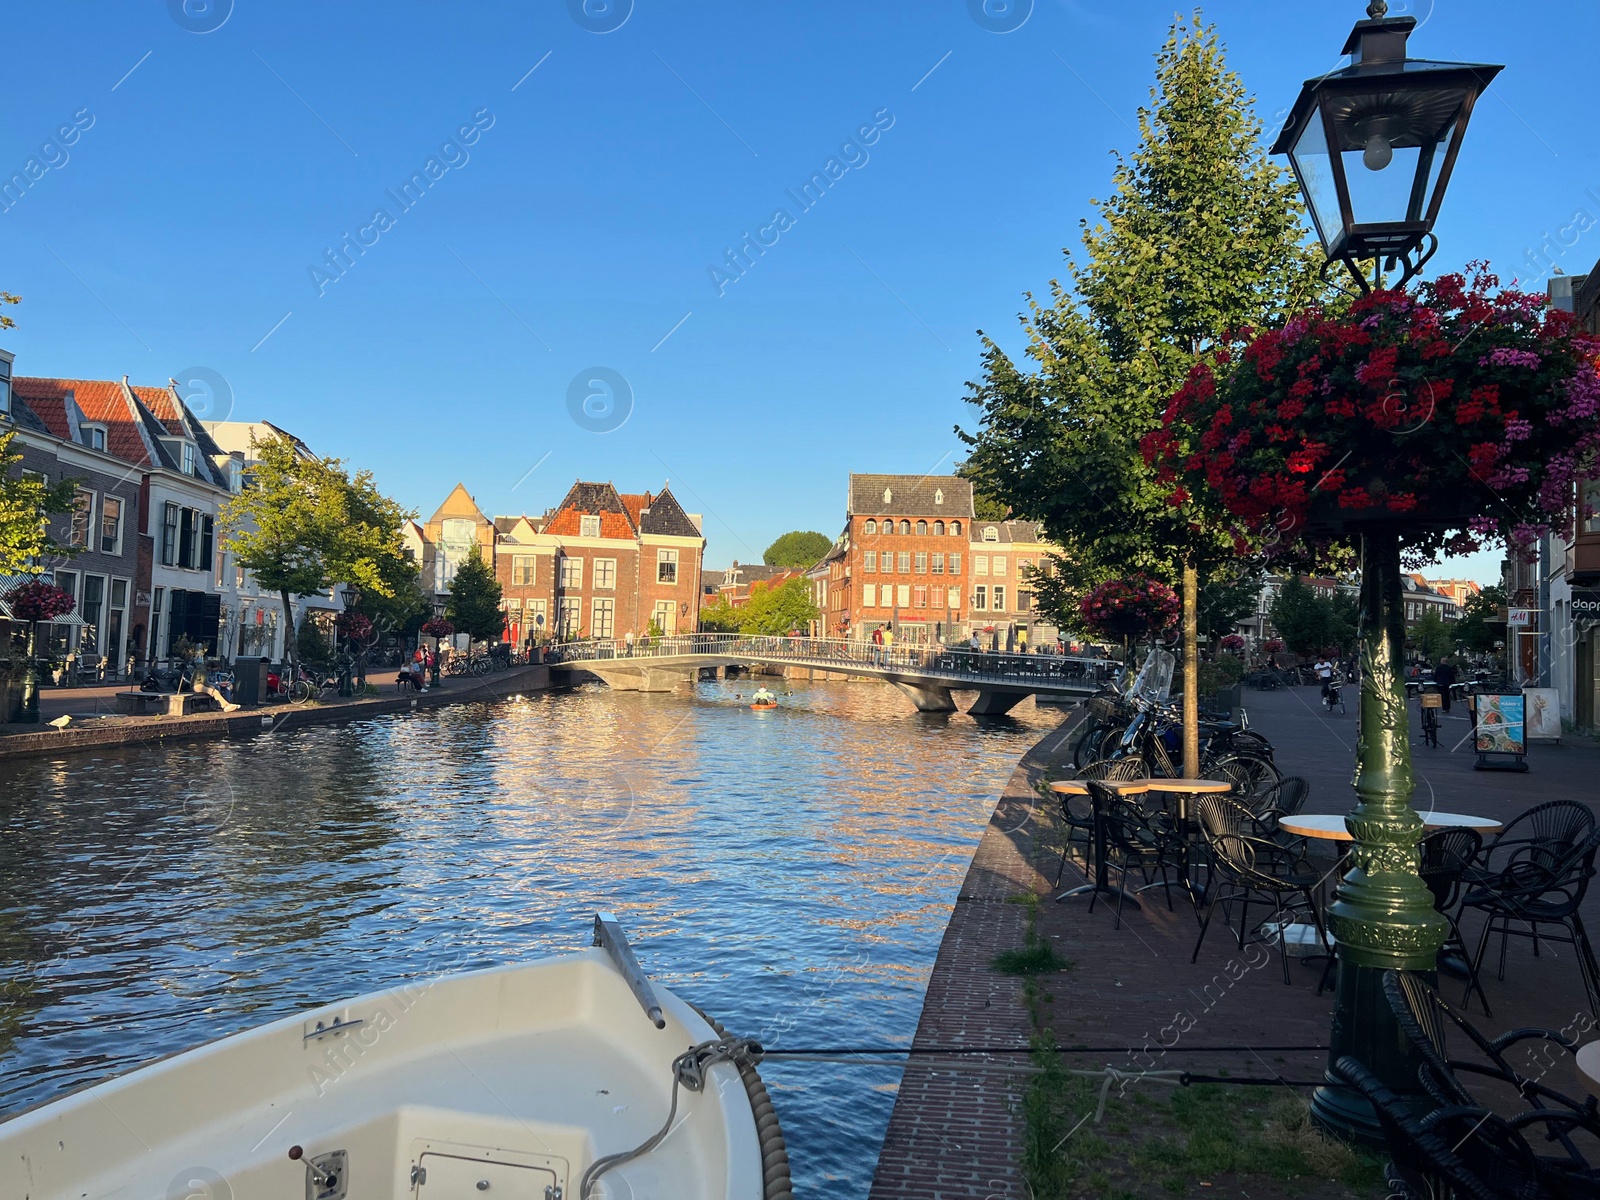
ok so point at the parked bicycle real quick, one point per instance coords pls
(1431, 702)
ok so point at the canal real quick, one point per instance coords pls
(790, 871)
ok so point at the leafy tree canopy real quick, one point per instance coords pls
(798, 548)
(777, 610)
(1202, 234)
(1225, 600)
(1310, 623)
(26, 505)
(1479, 627)
(474, 604)
(720, 616)
(1431, 636)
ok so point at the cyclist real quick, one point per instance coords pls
(1323, 670)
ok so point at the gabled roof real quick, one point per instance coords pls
(665, 517)
(131, 431)
(911, 495)
(1009, 531)
(25, 418)
(458, 503)
(588, 500)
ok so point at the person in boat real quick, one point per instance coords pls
(763, 696)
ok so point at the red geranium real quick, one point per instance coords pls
(355, 626)
(1121, 607)
(39, 601)
(437, 627)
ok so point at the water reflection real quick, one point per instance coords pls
(791, 871)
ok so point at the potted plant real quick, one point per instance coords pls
(1408, 425)
(32, 603)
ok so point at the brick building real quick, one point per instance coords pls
(1005, 558)
(903, 559)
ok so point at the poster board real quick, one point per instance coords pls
(1500, 735)
(1543, 709)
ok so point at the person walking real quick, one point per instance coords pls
(628, 640)
(877, 646)
(1445, 676)
(888, 645)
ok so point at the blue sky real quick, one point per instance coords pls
(187, 227)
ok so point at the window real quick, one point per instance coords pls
(980, 564)
(922, 529)
(186, 538)
(952, 599)
(938, 496)
(571, 572)
(5, 385)
(1024, 601)
(922, 562)
(869, 595)
(1591, 500)
(110, 525)
(589, 526)
(955, 528)
(605, 578)
(921, 597)
(888, 495)
(208, 537)
(156, 598)
(82, 518)
(604, 614)
(980, 599)
(903, 562)
(905, 526)
(570, 616)
(666, 566)
(665, 617)
(938, 564)
(938, 526)
(997, 565)
(116, 618)
(991, 534)
(536, 615)
(869, 561)
(191, 459)
(903, 594)
(522, 569)
(999, 598)
(955, 564)
(870, 527)
(94, 594)
(94, 436)
(220, 576)
(1024, 566)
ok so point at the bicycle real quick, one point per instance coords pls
(1333, 692)
(1431, 702)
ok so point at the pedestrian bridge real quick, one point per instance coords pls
(927, 674)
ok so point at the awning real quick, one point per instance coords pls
(10, 582)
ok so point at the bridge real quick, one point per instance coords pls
(927, 674)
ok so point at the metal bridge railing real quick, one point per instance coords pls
(955, 664)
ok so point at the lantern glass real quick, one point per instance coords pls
(1393, 145)
(1314, 168)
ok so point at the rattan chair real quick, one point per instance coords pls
(1446, 855)
(1077, 812)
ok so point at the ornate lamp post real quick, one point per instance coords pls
(1373, 146)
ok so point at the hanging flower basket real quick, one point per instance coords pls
(355, 626)
(1456, 415)
(1272, 646)
(39, 601)
(1233, 642)
(437, 627)
(1131, 607)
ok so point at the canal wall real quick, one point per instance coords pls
(955, 1132)
(279, 718)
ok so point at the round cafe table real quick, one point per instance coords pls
(1121, 788)
(1588, 1060)
(1183, 789)
(1330, 826)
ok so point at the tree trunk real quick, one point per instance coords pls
(1191, 672)
(1382, 916)
(289, 646)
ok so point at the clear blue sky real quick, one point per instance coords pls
(580, 228)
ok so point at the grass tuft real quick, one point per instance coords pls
(1037, 958)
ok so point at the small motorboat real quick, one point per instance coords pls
(540, 1081)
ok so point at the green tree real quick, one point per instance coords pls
(1226, 600)
(798, 548)
(474, 604)
(26, 505)
(777, 610)
(1311, 623)
(1431, 636)
(1477, 630)
(302, 526)
(720, 616)
(985, 507)
(314, 647)
(1202, 234)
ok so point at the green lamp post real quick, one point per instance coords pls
(1373, 146)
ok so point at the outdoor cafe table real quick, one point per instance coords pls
(1588, 1060)
(1331, 827)
(1125, 788)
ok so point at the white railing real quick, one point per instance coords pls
(943, 662)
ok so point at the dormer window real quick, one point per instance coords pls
(991, 534)
(888, 497)
(190, 459)
(94, 436)
(589, 526)
(938, 496)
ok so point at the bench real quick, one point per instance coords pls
(172, 704)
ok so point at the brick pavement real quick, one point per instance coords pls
(1134, 1001)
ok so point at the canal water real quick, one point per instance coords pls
(789, 871)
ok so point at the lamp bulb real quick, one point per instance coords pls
(1378, 154)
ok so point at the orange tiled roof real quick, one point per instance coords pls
(567, 523)
(102, 401)
(635, 504)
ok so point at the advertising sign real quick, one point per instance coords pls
(1543, 708)
(1501, 731)
(1585, 604)
(1522, 617)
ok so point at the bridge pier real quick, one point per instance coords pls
(928, 699)
(994, 704)
(642, 679)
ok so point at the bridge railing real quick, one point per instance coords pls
(955, 663)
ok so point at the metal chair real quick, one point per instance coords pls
(1541, 884)
(1445, 857)
(1133, 842)
(1077, 812)
(1244, 865)
(1552, 827)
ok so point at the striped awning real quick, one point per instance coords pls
(10, 582)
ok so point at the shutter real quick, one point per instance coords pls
(207, 541)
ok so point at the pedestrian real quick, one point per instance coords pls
(888, 644)
(1445, 675)
(877, 645)
(628, 639)
(432, 663)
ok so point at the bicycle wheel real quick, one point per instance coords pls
(1250, 774)
(303, 691)
(482, 666)
(1088, 750)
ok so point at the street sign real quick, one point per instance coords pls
(1519, 617)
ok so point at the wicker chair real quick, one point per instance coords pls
(1077, 812)
(1446, 856)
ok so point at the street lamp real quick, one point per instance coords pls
(1373, 145)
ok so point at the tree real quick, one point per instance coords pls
(1202, 234)
(302, 526)
(1311, 623)
(474, 604)
(1431, 636)
(312, 646)
(799, 548)
(985, 507)
(720, 616)
(26, 505)
(777, 610)
(1474, 631)
(1226, 600)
